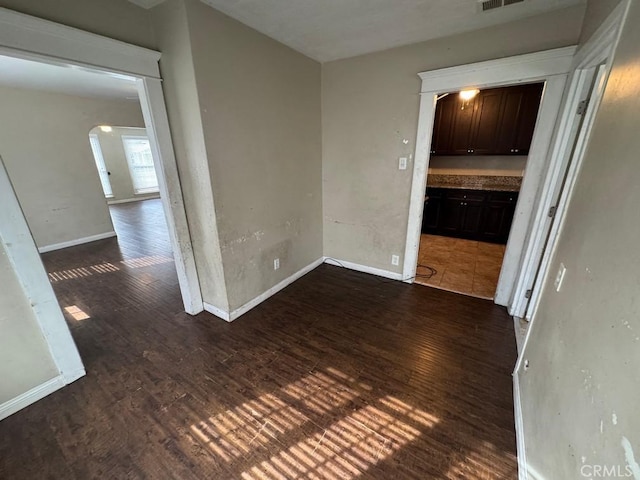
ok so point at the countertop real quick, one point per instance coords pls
(475, 182)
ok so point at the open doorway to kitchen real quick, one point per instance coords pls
(549, 67)
(479, 150)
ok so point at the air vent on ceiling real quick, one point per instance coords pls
(493, 4)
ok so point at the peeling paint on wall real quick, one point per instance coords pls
(629, 457)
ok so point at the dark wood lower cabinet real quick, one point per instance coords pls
(472, 214)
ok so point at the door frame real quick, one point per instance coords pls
(551, 67)
(560, 182)
(31, 38)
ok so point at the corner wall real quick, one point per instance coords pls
(260, 106)
(245, 116)
(580, 392)
(370, 108)
(187, 132)
(44, 142)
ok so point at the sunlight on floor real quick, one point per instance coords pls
(146, 261)
(269, 425)
(80, 272)
(76, 313)
(485, 462)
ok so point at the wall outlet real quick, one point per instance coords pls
(276, 264)
(395, 259)
(402, 163)
(560, 277)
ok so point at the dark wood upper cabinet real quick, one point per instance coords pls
(507, 132)
(443, 123)
(485, 122)
(462, 127)
(529, 115)
(498, 121)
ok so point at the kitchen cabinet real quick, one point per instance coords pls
(432, 208)
(498, 121)
(473, 214)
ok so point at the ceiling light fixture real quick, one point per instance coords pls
(467, 95)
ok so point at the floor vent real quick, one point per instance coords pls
(486, 5)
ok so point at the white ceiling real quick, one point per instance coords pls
(20, 73)
(332, 29)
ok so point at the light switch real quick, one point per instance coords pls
(402, 163)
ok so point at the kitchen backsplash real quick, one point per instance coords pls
(499, 165)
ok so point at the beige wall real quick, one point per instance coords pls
(597, 11)
(370, 105)
(260, 112)
(25, 360)
(115, 160)
(44, 142)
(117, 19)
(580, 393)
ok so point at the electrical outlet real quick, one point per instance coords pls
(402, 163)
(395, 259)
(276, 264)
(560, 277)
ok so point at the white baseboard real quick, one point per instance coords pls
(70, 377)
(31, 396)
(275, 289)
(77, 241)
(520, 333)
(231, 316)
(134, 199)
(363, 268)
(218, 312)
(523, 473)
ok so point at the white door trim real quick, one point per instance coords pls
(596, 51)
(552, 67)
(27, 37)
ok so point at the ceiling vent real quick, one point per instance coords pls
(485, 5)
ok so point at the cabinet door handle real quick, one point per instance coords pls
(510, 199)
(516, 150)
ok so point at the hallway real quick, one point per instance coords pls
(341, 375)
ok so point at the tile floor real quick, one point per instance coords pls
(462, 266)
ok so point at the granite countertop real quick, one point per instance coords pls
(475, 182)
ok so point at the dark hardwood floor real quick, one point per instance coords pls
(341, 375)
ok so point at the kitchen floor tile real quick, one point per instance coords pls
(463, 266)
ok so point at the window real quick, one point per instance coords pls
(143, 173)
(102, 168)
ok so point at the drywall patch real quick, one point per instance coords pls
(630, 458)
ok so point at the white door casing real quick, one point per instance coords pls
(551, 67)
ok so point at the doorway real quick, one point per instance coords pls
(43, 42)
(551, 68)
(57, 160)
(479, 151)
(30, 38)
